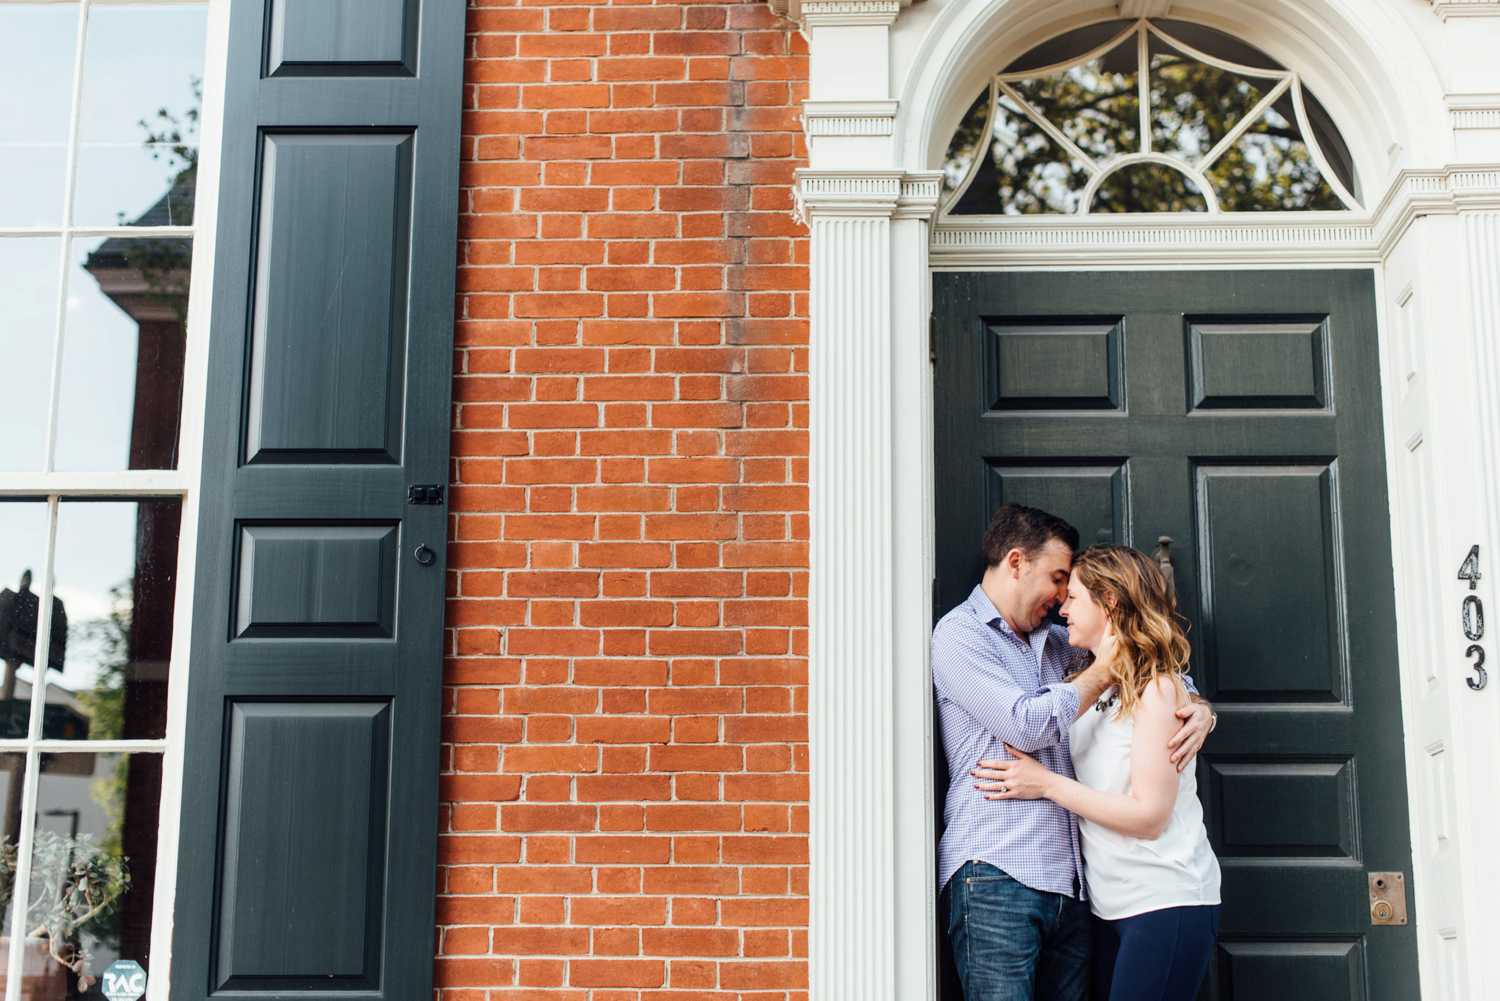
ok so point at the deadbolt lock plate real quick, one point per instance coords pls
(1387, 898)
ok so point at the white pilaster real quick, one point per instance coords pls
(870, 702)
(852, 942)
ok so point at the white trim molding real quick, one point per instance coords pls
(1144, 8)
(1250, 238)
(849, 118)
(812, 13)
(1446, 9)
(1469, 112)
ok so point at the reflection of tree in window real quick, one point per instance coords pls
(1096, 105)
(1270, 167)
(1024, 170)
(1236, 128)
(1148, 187)
(1194, 105)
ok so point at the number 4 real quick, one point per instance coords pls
(1469, 571)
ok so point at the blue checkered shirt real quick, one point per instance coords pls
(996, 687)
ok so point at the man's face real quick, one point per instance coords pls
(1041, 581)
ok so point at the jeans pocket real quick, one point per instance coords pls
(983, 872)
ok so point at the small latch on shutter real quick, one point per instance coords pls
(425, 493)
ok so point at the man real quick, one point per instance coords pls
(1014, 897)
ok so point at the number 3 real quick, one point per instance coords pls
(1482, 677)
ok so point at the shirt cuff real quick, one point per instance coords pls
(1064, 703)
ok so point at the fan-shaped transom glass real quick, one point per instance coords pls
(1146, 116)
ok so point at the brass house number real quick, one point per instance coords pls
(1473, 620)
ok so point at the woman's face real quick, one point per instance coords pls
(1086, 618)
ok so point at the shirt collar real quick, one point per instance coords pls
(987, 613)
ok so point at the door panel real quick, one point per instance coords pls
(309, 828)
(1239, 415)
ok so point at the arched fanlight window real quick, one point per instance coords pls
(1146, 116)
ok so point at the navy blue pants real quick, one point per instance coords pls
(1156, 956)
(1013, 943)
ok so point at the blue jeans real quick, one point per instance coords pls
(1157, 956)
(1013, 943)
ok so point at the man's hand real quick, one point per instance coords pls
(1188, 741)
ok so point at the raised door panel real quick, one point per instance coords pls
(1267, 538)
(342, 38)
(301, 894)
(330, 298)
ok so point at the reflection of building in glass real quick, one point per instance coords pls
(147, 279)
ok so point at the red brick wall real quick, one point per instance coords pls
(625, 758)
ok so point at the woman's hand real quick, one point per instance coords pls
(1023, 778)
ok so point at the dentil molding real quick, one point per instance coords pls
(1446, 9)
(1469, 112)
(1248, 238)
(814, 13)
(890, 193)
(849, 118)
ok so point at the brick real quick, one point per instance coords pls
(616, 973)
(627, 628)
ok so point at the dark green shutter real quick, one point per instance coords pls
(309, 808)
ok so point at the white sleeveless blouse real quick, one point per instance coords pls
(1129, 876)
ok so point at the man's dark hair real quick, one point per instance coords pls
(1028, 529)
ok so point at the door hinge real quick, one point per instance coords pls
(424, 493)
(932, 339)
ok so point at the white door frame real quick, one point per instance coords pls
(889, 81)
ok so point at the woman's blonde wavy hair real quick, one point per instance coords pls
(1151, 637)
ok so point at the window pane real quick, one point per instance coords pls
(966, 141)
(1270, 168)
(123, 342)
(23, 562)
(93, 871)
(1194, 105)
(1095, 104)
(28, 303)
(138, 121)
(116, 574)
(12, 775)
(1148, 187)
(1070, 45)
(1025, 173)
(37, 42)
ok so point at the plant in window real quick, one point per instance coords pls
(76, 885)
(1141, 117)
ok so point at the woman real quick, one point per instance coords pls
(1153, 880)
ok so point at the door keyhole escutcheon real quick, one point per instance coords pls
(1387, 898)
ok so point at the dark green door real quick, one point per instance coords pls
(1239, 414)
(310, 804)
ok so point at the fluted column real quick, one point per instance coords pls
(870, 703)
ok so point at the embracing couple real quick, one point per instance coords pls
(1074, 862)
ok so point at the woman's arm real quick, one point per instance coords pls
(1141, 813)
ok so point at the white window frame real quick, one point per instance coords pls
(1143, 29)
(181, 483)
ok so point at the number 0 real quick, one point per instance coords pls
(1473, 617)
